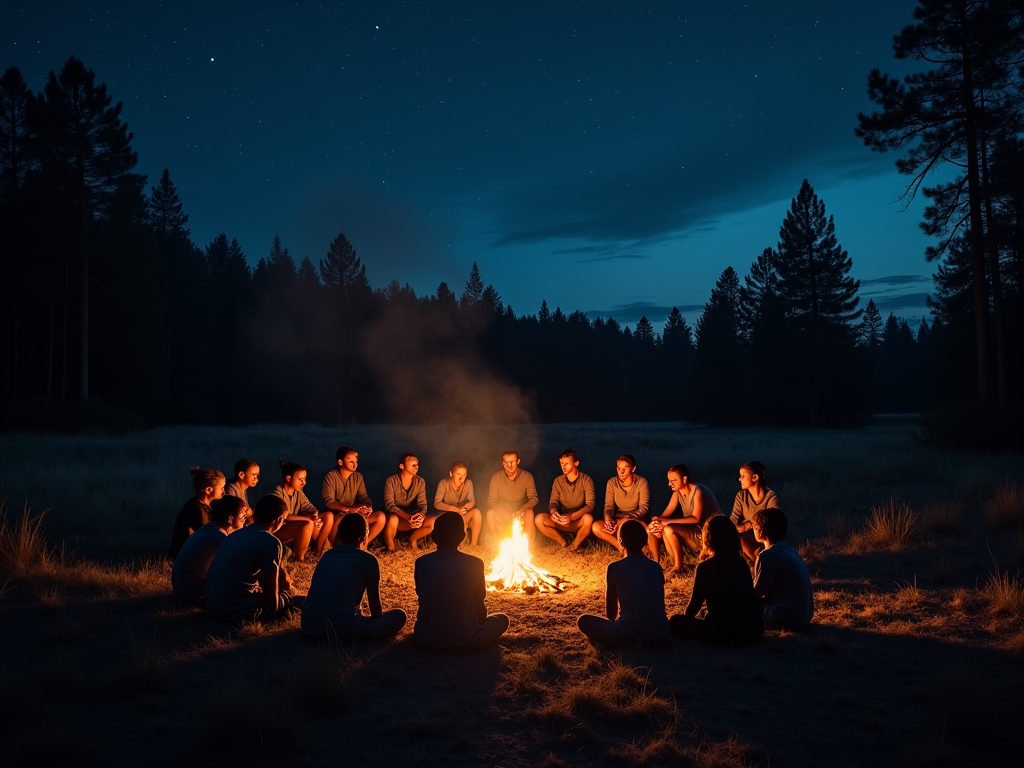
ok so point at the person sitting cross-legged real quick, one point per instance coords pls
(627, 496)
(246, 580)
(455, 494)
(635, 596)
(405, 499)
(780, 574)
(188, 576)
(722, 581)
(571, 507)
(344, 574)
(450, 586)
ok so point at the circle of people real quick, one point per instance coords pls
(229, 556)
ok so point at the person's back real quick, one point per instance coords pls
(188, 576)
(234, 573)
(640, 587)
(450, 588)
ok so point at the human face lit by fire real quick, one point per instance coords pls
(568, 465)
(675, 482)
(510, 463)
(250, 477)
(238, 521)
(297, 481)
(350, 463)
(411, 465)
(218, 490)
(747, 480)
(458, 477)
(624, 471)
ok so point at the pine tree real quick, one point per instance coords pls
(760, 286)
(165, 210)
(644, 332)
(871, 326)
(343, 271)
(280, 265)
(814, 271)
(15, 103)
(715, 390)
(544, 316)
(307, 276)
(474, 291)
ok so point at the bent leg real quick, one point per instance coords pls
(422, 532)
(602, 631)
(388, 624)
(583, 526)
(674, 547)
(548, 527)
(474, 521)
(324, 537)
(599, 531)
(750, 544)
(497, 522)
(375, 522)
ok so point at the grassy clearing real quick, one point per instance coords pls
(892, 527)
(1005, 507)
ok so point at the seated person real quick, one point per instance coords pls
(722, 581)
(247, 474)
(780, 574)
(188, 576)
(246, 580)
(634, 595)
(455, 494)
(627, 496)
(512, 495)
(405, 501)
(753, 496)
(450, 586)
(209, 486)
(344, 491)
(683, 518)
(304, 521)
(571, 506)
(331, 610)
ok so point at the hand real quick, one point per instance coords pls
(609, 526)
(416, 520)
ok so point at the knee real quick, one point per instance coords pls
(587, 521)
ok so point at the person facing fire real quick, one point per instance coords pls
(512, 495)
(344, 492)
(753, 496)
(247, 474)
(455, 494)
(627, 496)
(209, 486)
(634, 596)
(304, 521)
(571, 506)
(681, 522)
(405, 499)
(188, 577)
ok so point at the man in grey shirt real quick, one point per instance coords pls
(627, 496)
(780, 574)
(571, 506)
(344, 491)
(512, 495)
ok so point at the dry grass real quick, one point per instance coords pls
(318, 683)
(891, 527)
(22, 542)
(943, 516)
(908, 594)
(1004, 593)
(1005, 507)
(529, 674)
(620, 696)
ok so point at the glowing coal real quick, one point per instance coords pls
(512, 568)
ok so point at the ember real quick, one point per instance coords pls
(512, 568)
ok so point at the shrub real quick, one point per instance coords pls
(22, 543)
(1004, 593)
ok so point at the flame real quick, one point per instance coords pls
(513, 569)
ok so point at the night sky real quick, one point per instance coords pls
(601, 157)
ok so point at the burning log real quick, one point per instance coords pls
(512, 568)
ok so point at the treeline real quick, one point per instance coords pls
(106, 299)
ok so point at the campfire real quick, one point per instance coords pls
(512, 568)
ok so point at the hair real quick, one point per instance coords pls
(632, 535)
(228, 506)
(289, 468)
(720, 536)
(344, 451)
(680, 469)
(268, 509)
(569, 453)
(509, 453)
(628, 459)
(757, 468)
(772, 522)
(449, 530)
(459, 465)
(205, 478)
(406, 457)
(244, 465)
(352, 528)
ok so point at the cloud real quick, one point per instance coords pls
(630, 313)
(912, 301)
(896, 280)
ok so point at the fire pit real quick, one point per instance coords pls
(512, 568)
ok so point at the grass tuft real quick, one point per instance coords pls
(618, 697)
(1004, 593)
(22, 542)
(892, 527)
(528, 673)
(909, 595)
(1005, 507)
(943, 516)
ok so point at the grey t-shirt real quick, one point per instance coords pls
(349, 492)
(634, 501)
(511, 494)
(233, 578)
(188, 576)
(568, 498)
(234, 488)
(332, 607)
(449, 497)
(297, 503)
(710, 503)
(782, 581)
(411, 501)
(744, 507)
